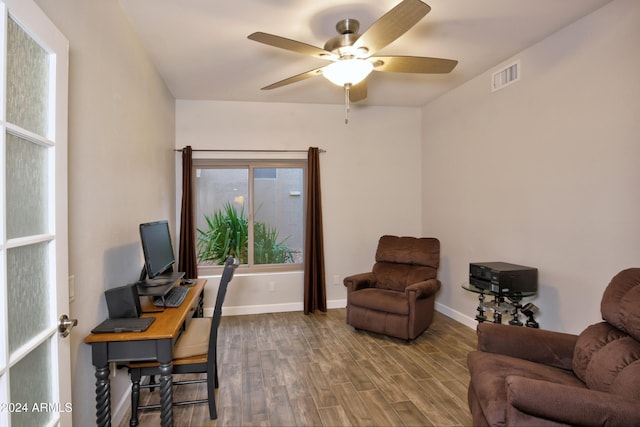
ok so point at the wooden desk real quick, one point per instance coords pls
(156, 343)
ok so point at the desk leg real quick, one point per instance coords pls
(200, 306)
(166, 395)
(135, 396)
(103, 396)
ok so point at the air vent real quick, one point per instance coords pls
(505, 76)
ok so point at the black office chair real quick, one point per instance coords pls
(195, 352)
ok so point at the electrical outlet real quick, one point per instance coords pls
(272, 286)
(336, 280)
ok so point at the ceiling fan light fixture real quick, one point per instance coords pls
(347, 71)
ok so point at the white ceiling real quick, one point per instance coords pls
(200, 47)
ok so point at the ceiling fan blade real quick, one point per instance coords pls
(413, 64)
(296, 78)
(358, 92)
(292, 45)
(392, 25)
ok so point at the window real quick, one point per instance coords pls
(253, 210)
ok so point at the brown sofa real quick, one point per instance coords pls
(397, 297)
(524, 376)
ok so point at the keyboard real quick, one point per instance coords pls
(173, 298)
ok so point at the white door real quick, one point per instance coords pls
(35, 379)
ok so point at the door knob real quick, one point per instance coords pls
(65, 325)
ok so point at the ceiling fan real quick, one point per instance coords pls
(352, 54)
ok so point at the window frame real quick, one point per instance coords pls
(251, 164)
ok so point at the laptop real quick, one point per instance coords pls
(131, 324)
(123, 304)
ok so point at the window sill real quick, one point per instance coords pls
(204, 271)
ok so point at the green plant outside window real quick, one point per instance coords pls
(227, 233)
(251, 209)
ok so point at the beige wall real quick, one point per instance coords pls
(370, 181)
(121, 168)
(544, 172)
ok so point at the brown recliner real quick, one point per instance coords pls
(397, 297)
(525, 376)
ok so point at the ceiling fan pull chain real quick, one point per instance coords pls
(346, 103)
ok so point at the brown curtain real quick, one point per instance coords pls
(187, 252)
(315, 294)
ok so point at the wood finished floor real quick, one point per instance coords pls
(289, 369)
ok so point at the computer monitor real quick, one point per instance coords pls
(157, 248)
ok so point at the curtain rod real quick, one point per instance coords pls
(250, 151)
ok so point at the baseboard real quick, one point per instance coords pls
(337, 303)
(242, 310)
(456, 315)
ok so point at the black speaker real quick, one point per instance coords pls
(123, 302)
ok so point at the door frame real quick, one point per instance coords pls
(39, 26)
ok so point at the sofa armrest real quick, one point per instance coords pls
(566, 404)
(537, 345)
(359, 281)
(425, 288)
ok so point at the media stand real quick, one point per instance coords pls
(504, 304)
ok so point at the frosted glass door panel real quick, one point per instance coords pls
(27, 81)
(27, 292)
(27, 192)
(31, 382)
(34, 263)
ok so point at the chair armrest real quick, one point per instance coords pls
(359, 281)
(568, 404)
(537, 345)
(424, 289)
